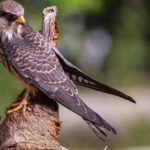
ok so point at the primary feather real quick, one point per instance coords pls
(38, 65)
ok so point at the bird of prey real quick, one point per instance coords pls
(28, 55)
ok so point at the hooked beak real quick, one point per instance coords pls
(20, 20)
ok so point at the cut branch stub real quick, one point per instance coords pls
(37, 129)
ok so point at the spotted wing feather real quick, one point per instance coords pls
(39, 66)
(78, 77)
(74, 73)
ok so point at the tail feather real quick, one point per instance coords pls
(97, 130)
(81, 78)
(75, 104)
(70, 99)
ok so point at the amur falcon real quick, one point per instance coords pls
(28, 55)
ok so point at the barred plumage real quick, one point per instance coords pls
(41, 67)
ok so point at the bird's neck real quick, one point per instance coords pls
(7, 34)
(11, 31)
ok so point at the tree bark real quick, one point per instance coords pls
(38, 128)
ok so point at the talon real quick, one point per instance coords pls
(18, 106)
(15, 104)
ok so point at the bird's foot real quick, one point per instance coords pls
(17, 106)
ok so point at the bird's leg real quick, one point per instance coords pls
(19, 98)
(20, 105)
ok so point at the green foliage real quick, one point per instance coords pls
(139, 134)
(129, 50)
(79, 5)
(9, 87)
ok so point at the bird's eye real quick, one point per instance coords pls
(10, 16)
(14, 17)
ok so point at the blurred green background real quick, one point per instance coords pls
(110, 41)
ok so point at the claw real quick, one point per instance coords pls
(18, 105)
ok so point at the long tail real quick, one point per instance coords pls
(81, 78)
(75, 104)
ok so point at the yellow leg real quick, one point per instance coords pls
(19, 105)
(22, 100)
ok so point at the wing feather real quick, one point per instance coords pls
(78, 77)
(29, 59)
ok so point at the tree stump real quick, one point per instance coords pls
(37, 129)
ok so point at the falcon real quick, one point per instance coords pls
(28, 55)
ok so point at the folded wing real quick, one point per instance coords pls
(78, 77)
(39, 67)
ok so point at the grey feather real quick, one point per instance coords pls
(54, 82)
(78, 77)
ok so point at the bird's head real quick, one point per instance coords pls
(11, 18)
